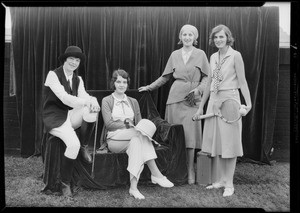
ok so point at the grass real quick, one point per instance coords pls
(256, 186)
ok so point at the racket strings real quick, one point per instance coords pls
(230, 110)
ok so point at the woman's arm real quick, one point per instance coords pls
(156, 84)
(110, 124)
(240, 71)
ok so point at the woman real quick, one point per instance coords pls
(67, 106)
(188, 65)
(220, 139)
(120, 114)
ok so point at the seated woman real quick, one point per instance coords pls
(120, 114)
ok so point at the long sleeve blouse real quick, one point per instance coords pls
(187, 76)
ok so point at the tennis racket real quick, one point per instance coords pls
(229, 110)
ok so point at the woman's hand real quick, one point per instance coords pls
(195, 91)
(93, 105)
(128, 123)
(197, 115)
(143, 88)
(245, 109)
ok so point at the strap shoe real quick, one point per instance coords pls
(163, 182)
(228, 191)
(136, 194)
(215, 186)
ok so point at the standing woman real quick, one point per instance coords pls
(188, 65)
(120, 113)
(222, 140)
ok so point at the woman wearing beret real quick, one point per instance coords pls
(227, 77)
(121, 114)
(189, 67)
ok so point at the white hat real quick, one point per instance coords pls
(146, 127)
(191, 28)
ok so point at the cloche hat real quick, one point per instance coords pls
(72, 51)
(147, 128)
(191, 28)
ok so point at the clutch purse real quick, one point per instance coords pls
(190, 99)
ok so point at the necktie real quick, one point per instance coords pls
(69, 84)
(217, 75)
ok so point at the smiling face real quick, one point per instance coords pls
(187, 38)
(121, 85)
(220, 39)
(71, 64)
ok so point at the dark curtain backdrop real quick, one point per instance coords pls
(140, 40)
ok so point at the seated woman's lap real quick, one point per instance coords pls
(119, 141)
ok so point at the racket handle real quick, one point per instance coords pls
(204, 116)
(207, 115)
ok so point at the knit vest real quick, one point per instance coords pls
(55, 112)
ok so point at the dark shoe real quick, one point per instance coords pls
(85, 154)
(66, 172)
(66, 190)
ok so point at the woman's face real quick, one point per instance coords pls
(220, 39)
(187, 38)
(121, 85)
(71, 63)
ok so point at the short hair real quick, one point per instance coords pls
(217, 29)
(116, 73)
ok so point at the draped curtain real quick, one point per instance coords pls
(140, 40)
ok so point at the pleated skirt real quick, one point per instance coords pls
(220, 138)
(181, 113)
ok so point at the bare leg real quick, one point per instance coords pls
(191, 170)
(133, 188)
(154, 169)
(230, 164)
(218, 172)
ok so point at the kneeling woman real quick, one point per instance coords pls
(120, 114)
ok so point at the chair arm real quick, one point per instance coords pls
(171, 135)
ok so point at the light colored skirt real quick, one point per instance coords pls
(220, 138)
(137, 146)
(180, 113)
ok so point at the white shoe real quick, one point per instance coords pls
(215, 186)
(136, 194)
(228, 191)
(163, 182)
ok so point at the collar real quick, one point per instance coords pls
(123, 99)
(70, 77)
(228, 53)
(189, 53)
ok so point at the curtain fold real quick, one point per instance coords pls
(140, 40)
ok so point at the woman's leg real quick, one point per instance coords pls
(218, 172)
(191, 170)
(154, 169)
(230, 164)
(133, 148)
(133, 190)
